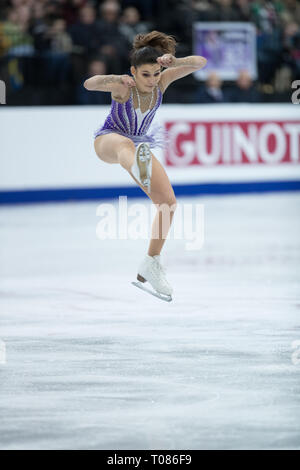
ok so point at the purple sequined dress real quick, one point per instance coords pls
(125, 120)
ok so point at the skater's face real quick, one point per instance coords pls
(146, 76)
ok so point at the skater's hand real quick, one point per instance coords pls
(167, 60)
(127, 81)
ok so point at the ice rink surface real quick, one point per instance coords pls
(88, 361)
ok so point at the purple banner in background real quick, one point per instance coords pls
(228, 48)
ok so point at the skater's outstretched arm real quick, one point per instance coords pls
(178, 68)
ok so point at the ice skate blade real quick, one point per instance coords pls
(167, 298)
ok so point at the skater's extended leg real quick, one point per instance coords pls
(162, 195)
(160, 227)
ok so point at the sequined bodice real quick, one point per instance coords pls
(125, 118)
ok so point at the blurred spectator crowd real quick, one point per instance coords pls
(49, 47)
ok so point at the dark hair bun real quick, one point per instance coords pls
(162, 42)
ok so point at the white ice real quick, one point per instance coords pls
(94, 363)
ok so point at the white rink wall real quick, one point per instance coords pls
(52, 147)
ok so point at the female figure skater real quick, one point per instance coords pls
(123, 138)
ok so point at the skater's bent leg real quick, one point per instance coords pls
(126, 154)
(114, 148)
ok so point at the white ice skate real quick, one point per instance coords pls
(152, 271)
(142, 166)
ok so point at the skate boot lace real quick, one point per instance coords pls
(159, 268)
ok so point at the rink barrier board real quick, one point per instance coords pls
(84, 194)
(54, 146)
